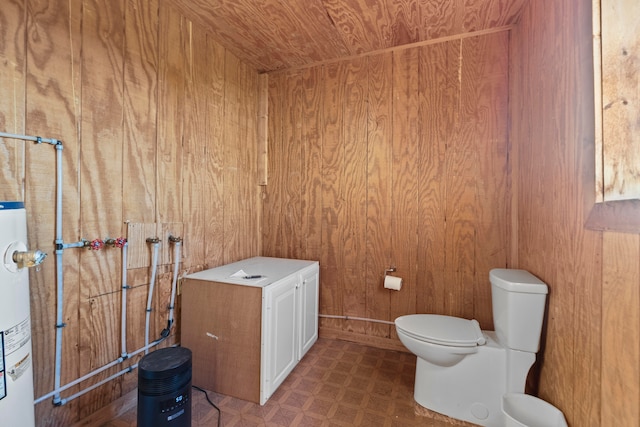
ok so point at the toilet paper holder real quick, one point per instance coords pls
(389, 270)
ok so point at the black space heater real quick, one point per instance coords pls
(164, 388)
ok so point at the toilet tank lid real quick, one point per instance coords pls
(514, 280)
(442, 330)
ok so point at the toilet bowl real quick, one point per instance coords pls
(462, 371)
(523, 410)
(442, 340)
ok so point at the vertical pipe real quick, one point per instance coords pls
(124, 302)
(176, 264)
(154, 267)
(59, 276)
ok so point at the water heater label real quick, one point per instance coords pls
(19, 368)
(17, 336)
(3, 379)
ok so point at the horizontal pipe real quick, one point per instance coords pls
(363, 319)
(80, 244)
(60, 389)
(29, 138)
(98, 384)
(95, 372)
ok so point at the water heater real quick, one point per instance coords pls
(16, 357)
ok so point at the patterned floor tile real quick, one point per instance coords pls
(337, 383)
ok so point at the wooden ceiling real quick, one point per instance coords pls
(280, 34)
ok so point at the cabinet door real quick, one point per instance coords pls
(308, 303)
(280, 333)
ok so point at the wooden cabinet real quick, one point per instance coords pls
(247, 335)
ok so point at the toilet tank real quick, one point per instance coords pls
(518, 299)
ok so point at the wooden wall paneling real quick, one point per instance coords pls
(484, 112)
(194, 144)
(552, 256)
(404, 187)
(140, 110)
(420, 171)
(272, 193)
(534, 141)
(579, 279)
(522, 58)
(97, 71)
(214, 151)
(460, 205)
(553, 132)
(460, 232)
(263, 127)
(101, 196)
(621, 328)
(332, 260)
(52, 100)
(312, 163)
(173, 46)
(240, 163)
(102, 141)
(584, 244)
(102, 327)
(251, 192)
(439, 92)
(564, 341)
(138, 279)
(167, 248)
(535, 217)
(139, 252)
(353, 221)
(12, 108)
(232, 164)
(290, 162)
(161, 304)
(379, 192)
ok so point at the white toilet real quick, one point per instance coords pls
(463, 372)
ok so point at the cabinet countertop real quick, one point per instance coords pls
(269, 269)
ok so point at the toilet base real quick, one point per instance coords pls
(470, 391)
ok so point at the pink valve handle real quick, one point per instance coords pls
(96, 245)
(118, 242)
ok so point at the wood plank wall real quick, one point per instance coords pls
(396, 159)
(158, 123)
(591, 356)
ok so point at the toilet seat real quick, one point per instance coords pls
(442, 330)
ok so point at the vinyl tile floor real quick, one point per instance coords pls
(337, 383)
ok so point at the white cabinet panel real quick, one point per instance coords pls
(280, 332)
(263, 316)
(308, 294)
